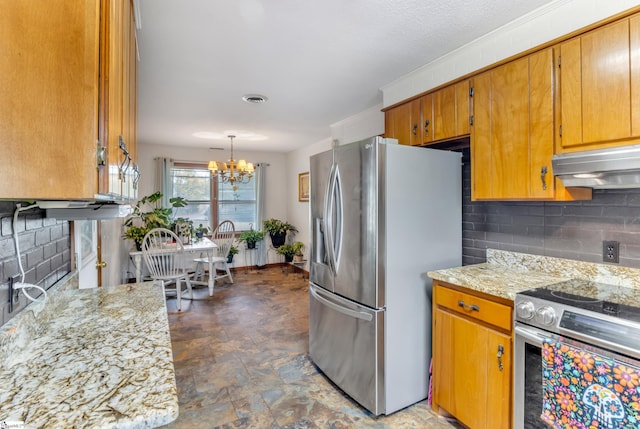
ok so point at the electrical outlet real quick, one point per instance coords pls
(611, 251)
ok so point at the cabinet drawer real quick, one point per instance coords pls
(475, 307)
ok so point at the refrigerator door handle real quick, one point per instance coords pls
(337, 228)
(328, 219)
(352, 313)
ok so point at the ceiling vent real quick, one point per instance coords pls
(254, 98)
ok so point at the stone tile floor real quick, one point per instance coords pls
(241, 362)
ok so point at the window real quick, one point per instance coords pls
(238, 206)
(195, 184)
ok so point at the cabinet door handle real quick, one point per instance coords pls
(472, 307)
(415, 130)
(500, 353)
(543, 177)
(426, 127)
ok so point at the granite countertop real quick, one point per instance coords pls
(495, 280)
(90, 358)
(507, 273)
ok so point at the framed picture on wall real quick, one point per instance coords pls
(303, 187)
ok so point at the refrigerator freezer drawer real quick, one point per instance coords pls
(346, 343)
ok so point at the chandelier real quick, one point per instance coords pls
(234, 172)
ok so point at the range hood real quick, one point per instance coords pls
(615, 168)
(84, 210)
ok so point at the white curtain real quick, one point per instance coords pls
(260, 177)
(163, 179)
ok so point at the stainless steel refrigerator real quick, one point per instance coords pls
(382, 215)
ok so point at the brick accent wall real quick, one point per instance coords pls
(45, 248)
(573, 230)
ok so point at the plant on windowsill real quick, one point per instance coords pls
(277, 230)
(148, 214)
(251, 237)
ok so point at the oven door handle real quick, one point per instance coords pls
(534, 336)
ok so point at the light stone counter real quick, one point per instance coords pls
(89, 358)
(507, 273)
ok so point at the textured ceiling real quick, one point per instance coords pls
(318, 62)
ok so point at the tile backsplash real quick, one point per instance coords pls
(572, 230)
(45, 248)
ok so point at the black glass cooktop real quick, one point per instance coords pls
(611, 300)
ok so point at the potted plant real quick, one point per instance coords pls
(298, 246)
(183, 228)
(136, 234)
(201, 230)
(233, 250)
(277, 230)
(148, 214)
(251, 237)
(288, 251)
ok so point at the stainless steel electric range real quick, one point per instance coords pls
(598, 317)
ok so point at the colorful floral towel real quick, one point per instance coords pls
(585, 390)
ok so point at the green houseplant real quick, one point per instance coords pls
(298, 246)
(277, 230)
(233, 250)
(148, 213)
(183, 227)
(201, 230)
(291, 250)
(251, 237)
(288, 252)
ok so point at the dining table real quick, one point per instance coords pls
(202, 247)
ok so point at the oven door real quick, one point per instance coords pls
(527, 376)
(527, 372)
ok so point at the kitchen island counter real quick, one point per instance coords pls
(90, 358)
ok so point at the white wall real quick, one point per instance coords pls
(547, 23)
(298, 212)
(359, 127)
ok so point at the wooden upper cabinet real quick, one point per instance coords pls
(481, 139)
(451, 111)
(49, 92)
(541, 181)
(416, 134)
(67, 86)
(500, 139)
(599, 87)
(513, 132)
(463, 110)
(444, 106)
(398, 123)
(510, 130)
(403, 123)
(426, 131)
(437, 116)
(118, 113)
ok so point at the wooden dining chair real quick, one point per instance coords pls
(223, 236)
(164, 255)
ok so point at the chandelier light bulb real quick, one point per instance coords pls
(235, 172)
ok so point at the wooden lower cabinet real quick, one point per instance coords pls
(471, 360)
